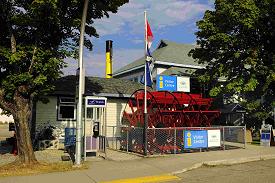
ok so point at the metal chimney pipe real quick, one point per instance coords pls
(109, 55)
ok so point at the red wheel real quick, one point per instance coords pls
(133, 114)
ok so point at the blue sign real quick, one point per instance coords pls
(96, 102)
(265, 136)
(195, 139)
(167, 83)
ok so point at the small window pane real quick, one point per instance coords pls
(90, 113)
(67, 100)
(66, 112)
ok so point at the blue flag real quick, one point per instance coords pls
(148, 74)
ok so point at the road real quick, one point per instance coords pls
(253, 172)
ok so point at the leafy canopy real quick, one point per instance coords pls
(236, 42)
(35, 37)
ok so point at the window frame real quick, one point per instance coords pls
(65, 103)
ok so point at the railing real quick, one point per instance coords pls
(176, 140)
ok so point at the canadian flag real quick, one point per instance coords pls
(149, 38)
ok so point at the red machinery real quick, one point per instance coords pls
(175, 109)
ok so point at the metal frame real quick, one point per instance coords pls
(102, 110)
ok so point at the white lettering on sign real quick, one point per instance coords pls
(198, 139)
(169, 81)
(169, 85)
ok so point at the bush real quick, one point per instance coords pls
(47, 133)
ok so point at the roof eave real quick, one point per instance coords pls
(179, 65)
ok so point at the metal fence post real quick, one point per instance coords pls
(175, 140)
(113, 137)
(116, 137)
(244, 136)
(127, 140)
(223, 138)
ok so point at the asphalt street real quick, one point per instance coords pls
(253, 172)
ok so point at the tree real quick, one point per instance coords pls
(35, 37)
(236, 42)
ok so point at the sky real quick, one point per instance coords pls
(173, 20)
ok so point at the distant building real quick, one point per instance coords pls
(170, 59)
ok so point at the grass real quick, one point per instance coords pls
(17, 169)
(254, 142)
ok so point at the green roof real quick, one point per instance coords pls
(167, 51)
(97, 86)
(179, 71)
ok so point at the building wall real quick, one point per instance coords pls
(115, 108)
(133, 76)
(160, 70)
(47, 114)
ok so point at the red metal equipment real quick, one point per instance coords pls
(168, 109)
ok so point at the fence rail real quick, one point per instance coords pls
(176, 140)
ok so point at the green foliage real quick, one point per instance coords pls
(236, 42)
(35, 37)
(45, 32)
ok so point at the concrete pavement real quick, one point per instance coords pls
(251, 172)
(120, 166)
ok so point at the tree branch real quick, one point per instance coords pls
(33, 59)
(7, 106)
(13, 43)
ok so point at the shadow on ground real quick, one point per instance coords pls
(5, 147)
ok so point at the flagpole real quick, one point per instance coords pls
(145, 88)
(78, 143)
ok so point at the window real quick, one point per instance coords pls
(66, 109)
(94, 113)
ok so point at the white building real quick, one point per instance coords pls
(60, 110)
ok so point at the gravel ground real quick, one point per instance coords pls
(49, 156)
(6, 157)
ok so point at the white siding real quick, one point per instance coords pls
(160, 70)
(47, 113)
(115, 108)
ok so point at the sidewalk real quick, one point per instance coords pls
(120, 165)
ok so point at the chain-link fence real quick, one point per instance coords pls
(176, 140)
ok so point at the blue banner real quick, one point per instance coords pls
(195, 139)
(167, 83)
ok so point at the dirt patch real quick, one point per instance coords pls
(17, 169)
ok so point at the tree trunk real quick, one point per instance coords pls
(24, 143)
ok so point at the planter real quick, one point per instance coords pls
(48, 144)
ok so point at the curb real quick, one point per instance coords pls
(228, 162)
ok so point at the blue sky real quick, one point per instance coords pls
(173, 20)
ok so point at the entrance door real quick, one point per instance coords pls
(94, 121)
